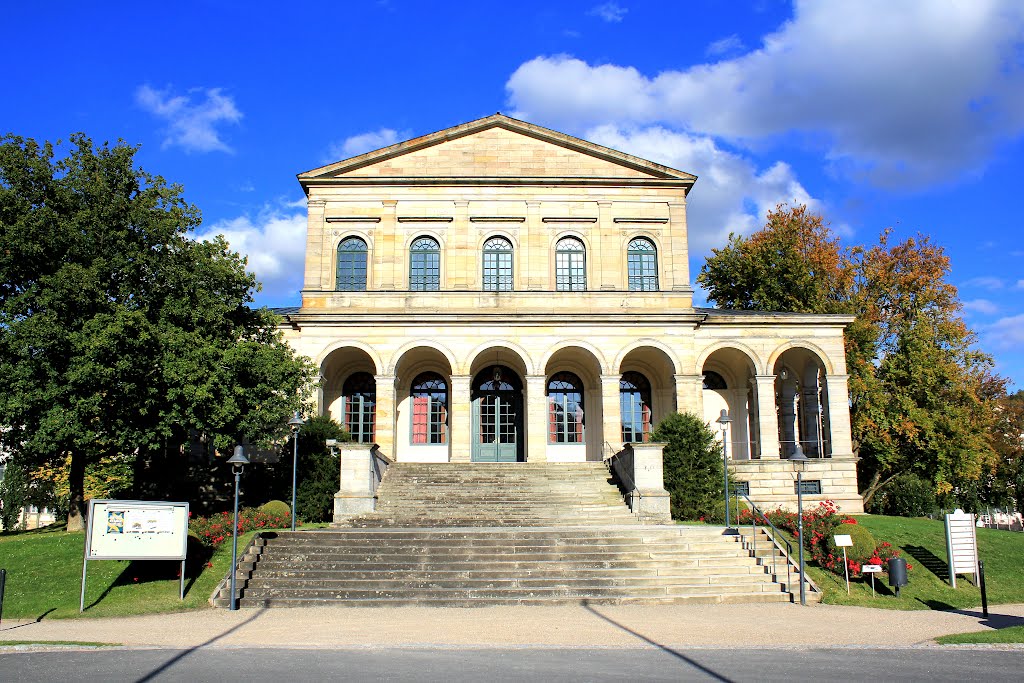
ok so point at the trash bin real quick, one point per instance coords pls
(897, 573)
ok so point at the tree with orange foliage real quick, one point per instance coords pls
(920, 391)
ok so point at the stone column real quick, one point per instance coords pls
(767, 420)
(386, 247)
(460, 432)
(355, 494)
(611, 417)
(314, 277)
(739, 439)
(536, 419)
(690, 394)
(839, 415)
(384, 427)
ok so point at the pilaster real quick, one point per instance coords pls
(678, 262)
(536, 419)
(610, 274)
(610, 413)
(462, 265)
(839, 415)
(314, 273)
(534, 243)
(384, 427)
(767, 419)
(386, 247)
(690, 394)
(460, 432)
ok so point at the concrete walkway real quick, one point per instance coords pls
(764, 625)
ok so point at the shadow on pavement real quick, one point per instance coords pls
(185, 653)
(678, 655)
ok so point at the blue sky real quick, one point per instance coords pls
(906, 115)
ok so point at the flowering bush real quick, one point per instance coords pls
(820, 524)
(215, 529)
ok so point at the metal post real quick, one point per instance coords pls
(981, 581)
(3, 584)
(800, 529)
(295, 468)
(723, 421)
(234, 544)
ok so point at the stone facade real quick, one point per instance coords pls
(501, 291)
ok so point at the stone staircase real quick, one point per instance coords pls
(495, 534)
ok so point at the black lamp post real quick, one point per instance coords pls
(800, 460)
(295, 424)
(723, 421)
(238, 461)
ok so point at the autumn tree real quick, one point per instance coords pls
(917, 383)
(119, 333)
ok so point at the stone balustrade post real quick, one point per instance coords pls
(355, 494)
(651, 502)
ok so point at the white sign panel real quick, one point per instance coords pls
(843, 541)
(961, 545)
(870, 568)
(136, 530)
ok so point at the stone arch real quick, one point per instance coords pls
(402, 351)
(802, 404)
(738, 365)
(498, 232)
(480, 357)
(335, 345)
(602, 363)
(648, 342)
(336, 366)
(755, 358)
(823, 358)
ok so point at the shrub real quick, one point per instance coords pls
(863, 547)
(907, 495)
(215, 529)
(739, 512)
(319, 472)
(276, 508)
(692, 465)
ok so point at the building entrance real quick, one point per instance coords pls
(497, 416)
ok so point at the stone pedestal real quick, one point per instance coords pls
(651, 501)
(356, 494)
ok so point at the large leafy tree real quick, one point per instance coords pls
(919, 389)
(119, 333)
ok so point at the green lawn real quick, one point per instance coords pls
(922, 543)
(1010, 634)
(44, 575)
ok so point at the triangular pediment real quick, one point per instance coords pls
(496, 147)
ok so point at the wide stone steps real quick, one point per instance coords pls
(475, 534)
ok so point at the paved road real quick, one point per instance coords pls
(515, 664)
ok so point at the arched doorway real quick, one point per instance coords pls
(497, 396)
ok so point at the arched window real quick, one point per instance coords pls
(570, 265)
(360, 392)
(425, 265)
(635, 407)
(351, 275)
(429, 409)
(565, 408)
(497, 265)
(642, 265)
(712, 380)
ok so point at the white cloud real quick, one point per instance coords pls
(192, 125)
(982, 306)
(732, 195)
(728, 45)
(612, 12)
(274, 241)
(1006, 333)
(985, 282)
(364, 142)
(1020, 284)
(907, 94)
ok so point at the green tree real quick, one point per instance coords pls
(118, 332)
(692, 465)
(918, 386)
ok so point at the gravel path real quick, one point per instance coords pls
(758, 625)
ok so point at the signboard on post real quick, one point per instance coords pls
(961, 545)
(136, 530)
(844, 541)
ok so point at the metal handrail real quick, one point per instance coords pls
(376, 471)
(775, 536)
(625, 478)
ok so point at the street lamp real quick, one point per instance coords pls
(295, 424)
(723, 422)
(238, 461)
(800, 459)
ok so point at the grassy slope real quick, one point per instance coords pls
(1010, 634)
(44, 574)
(922, 543)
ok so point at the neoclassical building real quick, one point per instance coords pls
(499, 291)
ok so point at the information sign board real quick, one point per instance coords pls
(843, 541)
(961, 545)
